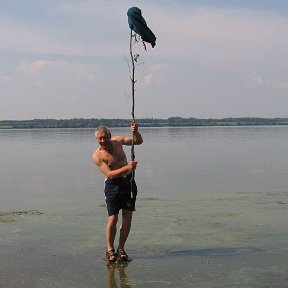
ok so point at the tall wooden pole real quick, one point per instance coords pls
(133, 81)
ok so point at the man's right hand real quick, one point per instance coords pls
(132, 165)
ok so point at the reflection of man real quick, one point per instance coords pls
(124, 281)
(111, 160)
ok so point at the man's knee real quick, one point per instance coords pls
(112, 220)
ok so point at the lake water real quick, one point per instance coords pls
(211, 211)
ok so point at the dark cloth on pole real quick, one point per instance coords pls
(137, 23)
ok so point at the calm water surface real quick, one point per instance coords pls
(211, 212)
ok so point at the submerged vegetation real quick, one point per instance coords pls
(144, 122)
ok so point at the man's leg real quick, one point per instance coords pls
(125, 227)
(111, 229)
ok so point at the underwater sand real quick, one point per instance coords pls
(239, 241)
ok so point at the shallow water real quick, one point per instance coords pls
(205, 243)
(216, 218)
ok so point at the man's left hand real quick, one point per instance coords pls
(134, 127)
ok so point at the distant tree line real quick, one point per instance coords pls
(144, 122)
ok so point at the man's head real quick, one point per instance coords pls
(103, 136)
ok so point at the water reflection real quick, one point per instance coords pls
(119, 279)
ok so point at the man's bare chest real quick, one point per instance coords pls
(114, 158)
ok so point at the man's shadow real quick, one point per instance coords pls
(120, 279)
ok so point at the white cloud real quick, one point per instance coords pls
(159, 67)
(92, 77)
(40, 65)
(4, 78)
(149, 80)
(30, 67)
(281, 85)
(260, 81)
(257, 80)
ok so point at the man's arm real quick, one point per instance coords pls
(127, 140)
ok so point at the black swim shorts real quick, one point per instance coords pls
(118, 194)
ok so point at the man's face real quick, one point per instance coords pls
(103, 138)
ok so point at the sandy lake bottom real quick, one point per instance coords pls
(235, 241)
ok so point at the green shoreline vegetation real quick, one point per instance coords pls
(143, 122)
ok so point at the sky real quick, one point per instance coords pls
(67, 59)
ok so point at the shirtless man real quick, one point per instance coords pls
(111, 160)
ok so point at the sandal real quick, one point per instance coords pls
(122, 255)
(111, 256)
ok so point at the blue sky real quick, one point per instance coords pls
(212, 59)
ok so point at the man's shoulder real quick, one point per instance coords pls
(96, 154)
(96, 150)
(116, 138)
